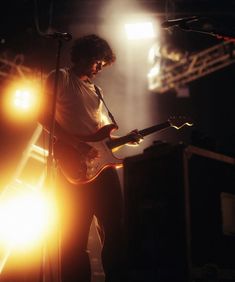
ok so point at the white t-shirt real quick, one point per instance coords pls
(78, 109)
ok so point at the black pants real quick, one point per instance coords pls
(103, 199)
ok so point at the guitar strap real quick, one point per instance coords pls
(101, 98)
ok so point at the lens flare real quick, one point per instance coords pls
(25, 219)
(139, 30)
(22, 100)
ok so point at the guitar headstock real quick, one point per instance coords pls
(179, 122)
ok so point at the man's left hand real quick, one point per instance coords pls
(137, 138)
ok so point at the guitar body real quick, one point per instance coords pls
(75, 163)
(76, 167)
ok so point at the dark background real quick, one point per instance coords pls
(210, 102)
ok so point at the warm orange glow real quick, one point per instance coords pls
(139, 30)
(26, 218)
(22, 100)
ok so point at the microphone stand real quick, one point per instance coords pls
(59, 36)
(188, 24)
(50, 159)
(220, 34)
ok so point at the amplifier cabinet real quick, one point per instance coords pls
(179, 214)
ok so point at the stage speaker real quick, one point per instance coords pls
(180, 214)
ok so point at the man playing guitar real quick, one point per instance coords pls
(86, 167)
(79, 116)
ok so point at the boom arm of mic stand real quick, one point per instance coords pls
(224, 37)
(50, 159)
(217, 34)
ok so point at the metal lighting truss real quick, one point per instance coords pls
(13, 68)
(193, 67)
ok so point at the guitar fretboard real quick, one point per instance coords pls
(114, 143)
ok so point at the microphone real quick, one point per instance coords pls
(59, 35)
(182, 22)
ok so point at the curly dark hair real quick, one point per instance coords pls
(91, 48)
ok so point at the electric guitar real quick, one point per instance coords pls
(80, 170)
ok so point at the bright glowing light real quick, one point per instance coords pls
(139, 30)
(25, 219)
(4, 259)
(154, 52)
(153, 76)
(154, 71)
(22, 100)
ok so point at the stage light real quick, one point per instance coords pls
(139, 30)
(26, 218)
(22, 100)
(152, 76)
(154, 53)
(154, 71)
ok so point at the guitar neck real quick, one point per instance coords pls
(114, 143)
(154, 128)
